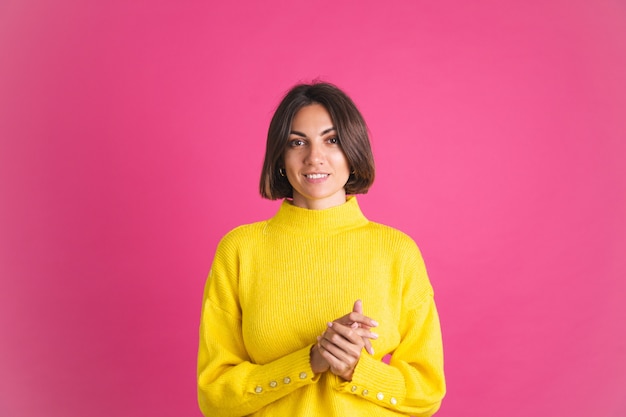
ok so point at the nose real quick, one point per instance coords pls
(315, 155)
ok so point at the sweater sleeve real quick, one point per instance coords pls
(229, 383)
(413, 382)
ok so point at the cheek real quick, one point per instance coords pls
(340, 162)
(288, 160)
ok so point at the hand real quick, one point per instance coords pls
(356, 319)
(341, 347)
(341, 344)
(318, 363)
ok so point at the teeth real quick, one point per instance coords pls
(316, 176)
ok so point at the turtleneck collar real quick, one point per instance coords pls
(328, 221)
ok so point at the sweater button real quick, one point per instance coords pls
(365, 392)
(258, 389)
(393, 401)
(302, 375)
(286, 380)
(380, 396)
(273, 384)
(354, 388)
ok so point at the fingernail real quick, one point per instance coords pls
(374, 335)
(374, 323)
(319, 338)
(330, 324)
(372, 351)
(354, 325)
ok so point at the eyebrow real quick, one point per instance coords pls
(295, 132)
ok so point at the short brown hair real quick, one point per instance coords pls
(351, 130)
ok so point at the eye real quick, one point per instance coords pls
(296, 142)
(334, 140)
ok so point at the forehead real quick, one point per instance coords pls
(313, 116)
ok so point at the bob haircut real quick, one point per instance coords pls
(351, 131)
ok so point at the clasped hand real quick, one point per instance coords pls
(339, 348)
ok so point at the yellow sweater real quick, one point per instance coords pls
(275, 284)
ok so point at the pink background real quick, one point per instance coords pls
(132, 136)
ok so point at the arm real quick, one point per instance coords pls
(413, 382)
(228, 383)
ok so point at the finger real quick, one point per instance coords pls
(361, 332)
(337, 366)
(368, 346)
(358, 308)
(336, 351)
(345, 353)
(340, 363)
(362, 320)
(346, 337)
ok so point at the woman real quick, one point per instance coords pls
(282, 330)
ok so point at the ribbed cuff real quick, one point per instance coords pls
(287, 373)
(376, 381)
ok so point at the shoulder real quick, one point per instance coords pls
(407, 260)
(242, 235)
(246, 230)
(394, 237)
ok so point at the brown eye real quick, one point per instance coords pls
(296, 142)
(333, 140)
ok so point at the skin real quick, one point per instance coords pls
(314, 148)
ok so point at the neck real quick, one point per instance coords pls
(318, 204)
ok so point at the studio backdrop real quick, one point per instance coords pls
(131, 140)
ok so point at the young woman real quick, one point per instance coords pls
(283, 330)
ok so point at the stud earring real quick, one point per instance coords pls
(281, 171)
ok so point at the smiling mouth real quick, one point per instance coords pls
(316, 176)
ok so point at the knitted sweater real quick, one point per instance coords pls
(273, 287)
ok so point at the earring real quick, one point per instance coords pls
(281, 171)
